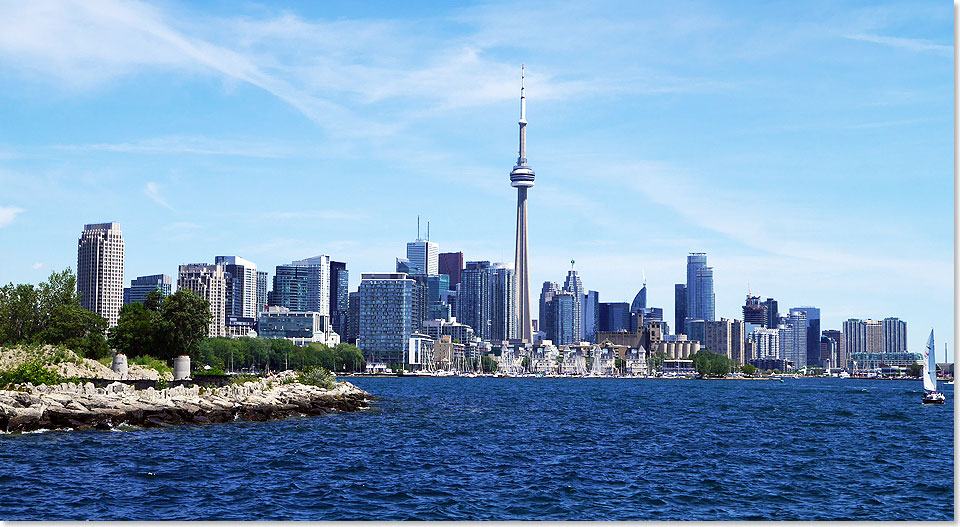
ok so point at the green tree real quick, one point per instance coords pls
(488, 364)
(349, 357)
(748, 369)
(655, 360)
(184, 320)
(76, 328)
(709, 364)
(136, 331)
(525, 362)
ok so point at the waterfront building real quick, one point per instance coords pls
(424, 255)
(521, 178)
(303, 285)
(546, 322)
(754, 311)
(386, 316)
(828, 352)
(614, 316)
(679, 305)
(241, 327)
(871, 360)
(503, 303)
(894, 335)
(262, 297)
(209, 282)
(840, 360)
(353, 317)
(300, 327)
(773, 313)
(458, 332)
(695, 329)
(677, 347)
(339, 297)
(241, 291)
(724, 337)
(451, 264)
(771, 363)
(811, 334)
(100, 270)
(700, 296)
(473, 298)
(142, 286)
(574, 286)
(793, 339)
(591, 315)
(766, 343)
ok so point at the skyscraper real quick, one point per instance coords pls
(100, 270)
(812, 334)
(424, 255)
(840, 361)
(755, 312)
(679, 306)
(640, 301)
(241, 291)
(261, 291)
(894, 335)
(304, 285)
(503, 303)
(795, 346)
(614, 316)
(210, 283)
(522, 178)
(546, 312)
(574, 286)
(386, 316)
(773, 313)
(591, 315)
(700, 297)
(473, 298)
(339, 296)
(451, 264)
(142, 286)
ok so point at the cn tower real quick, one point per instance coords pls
(522, 178)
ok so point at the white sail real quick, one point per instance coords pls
(930, 366)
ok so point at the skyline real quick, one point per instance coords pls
(806, 150)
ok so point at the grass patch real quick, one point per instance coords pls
(317, 376)
(240, 379)
(153, 363)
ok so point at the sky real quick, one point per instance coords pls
(806, 147)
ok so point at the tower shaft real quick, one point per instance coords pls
(522, 269)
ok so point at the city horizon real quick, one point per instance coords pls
(787, 216)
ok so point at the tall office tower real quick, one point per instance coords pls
(339, 296)
(353, 318)
(591, 315)
(142, 286)
(100, 270)
(424, 255)
(614, 316)
(261, 292)
(679, 306)
(812, 334)
(522, 177)
(210, 283)
(840, 360)
(894, 335)
(796, 346)
(304, 285)
(438, 291)
(241, 276)
(755, 312)
(473, 298)
(640, 301)
(574, 286)
(386, 317)
(766, 342)
(700, 297)
(451, 264)
(828, 352)
(773, 313)
(546, 321)
(564, 318)
(503, 303)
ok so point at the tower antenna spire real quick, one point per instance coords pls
(428, 230)
(418, 226)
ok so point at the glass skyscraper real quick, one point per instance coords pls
(386, 316)
(700, 297)
(141, 286)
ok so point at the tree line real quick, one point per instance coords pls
(257, 354)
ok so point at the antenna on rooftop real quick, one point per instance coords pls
(418, 226)
(428, 231)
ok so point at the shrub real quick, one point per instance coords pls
(317, 376)
(212, 371)
(151, 362)
(32, 372)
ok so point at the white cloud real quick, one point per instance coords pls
(189, 145)
(152, 191)
(911, 44)
(37, 265)
(7, 215)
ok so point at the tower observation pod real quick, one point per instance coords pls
(522, 178)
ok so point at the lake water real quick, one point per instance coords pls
(518, 449)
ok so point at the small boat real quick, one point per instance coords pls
(929, 374)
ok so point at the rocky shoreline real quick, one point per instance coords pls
(86, 407)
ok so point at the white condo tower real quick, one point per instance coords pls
(522, 178)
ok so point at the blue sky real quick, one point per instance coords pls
(806, 147)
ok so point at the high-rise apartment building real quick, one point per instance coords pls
(503, 303)
(142, 286)
(210, 283)
(339, 296)
(700, 297)
(773, 313)
(840, 359)
(574, 286)
(894, 335)
(353, 318)
(424, 255)
(473, 298)
(812, 333)
(795, 342)
(451, 264)
(766, 343)
(546, 322)
(386, 317)
(564, 317)
(679, 306)
(100, 270)
(754, 311)
(303, 285)
(261, 291)
(241, 292)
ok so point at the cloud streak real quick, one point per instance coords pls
(8, 214)
(152, 190)
(910, 44)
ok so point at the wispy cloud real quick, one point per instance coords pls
(189, 145)
(152, 190)
(37, 265)
(8, 214)
(911, 44)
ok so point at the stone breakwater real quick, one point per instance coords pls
(85, 407)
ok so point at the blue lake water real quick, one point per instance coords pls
(517, 449)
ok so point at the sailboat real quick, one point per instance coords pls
(932, 396)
